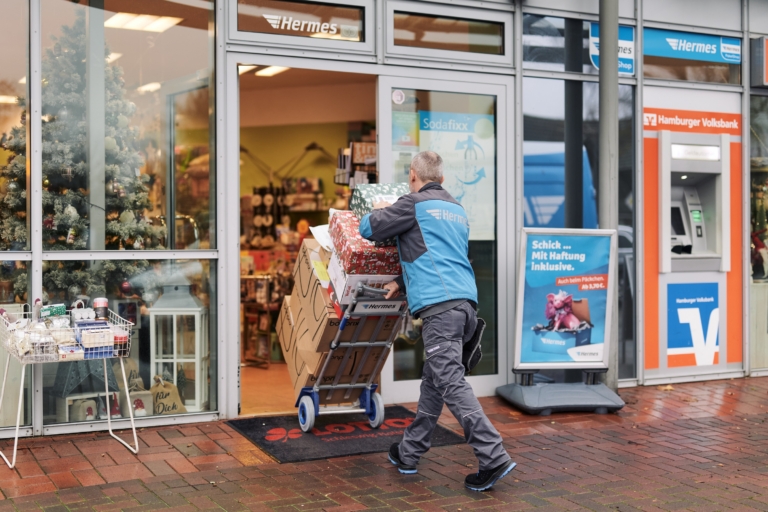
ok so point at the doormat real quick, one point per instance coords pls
(335, 435)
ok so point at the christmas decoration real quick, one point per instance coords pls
(68, 207)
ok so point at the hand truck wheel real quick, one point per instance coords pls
(376, 417)
(306, 413)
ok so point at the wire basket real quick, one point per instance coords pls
(54, 344)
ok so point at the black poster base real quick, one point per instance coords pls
(544, 399)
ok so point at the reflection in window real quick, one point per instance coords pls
(560, 149)
(125, 132)
(556, 44)
(13, 295)
(461, 128)
(443, 33)
(13, 137)
(758, 163)
(691, 70)
(170, 304)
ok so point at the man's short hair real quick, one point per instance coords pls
(428, 166)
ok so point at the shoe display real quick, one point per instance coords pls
(484, 480)
(394, 458)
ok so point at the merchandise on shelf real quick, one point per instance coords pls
(356, 254)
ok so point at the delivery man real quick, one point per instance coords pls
(432, 233)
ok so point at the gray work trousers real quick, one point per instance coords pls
(444, 335)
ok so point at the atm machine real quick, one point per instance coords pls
(694, 254)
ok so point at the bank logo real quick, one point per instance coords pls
(650, 120)
(693, 324)
(273, 20)
(704, 349)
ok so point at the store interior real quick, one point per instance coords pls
(294, 123)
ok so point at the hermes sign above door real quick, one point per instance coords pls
(302, 19)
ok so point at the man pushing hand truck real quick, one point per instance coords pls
(432, 233)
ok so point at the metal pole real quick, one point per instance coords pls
(95, 104)
(609, 156)
(573, 129)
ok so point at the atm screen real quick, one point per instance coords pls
(678, 227)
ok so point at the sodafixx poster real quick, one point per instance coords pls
(565, 287)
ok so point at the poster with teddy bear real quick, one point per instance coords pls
(564, 297)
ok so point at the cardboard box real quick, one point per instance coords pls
(314, 361)
(298, 371)
(358, 255)
(314, 313)
(287, 336)
(345, 284)
(317, 323)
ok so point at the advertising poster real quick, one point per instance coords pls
(467, 144)
(693, 324)
(563, 298)
(405, 142)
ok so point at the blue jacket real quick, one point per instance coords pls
(432, 233)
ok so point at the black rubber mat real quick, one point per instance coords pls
(335, 435)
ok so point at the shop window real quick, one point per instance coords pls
(561, 180)
(302, 19)
(453, 34)
(443, 33)
(171, 367)
(556, 44)
(126, 132)
(674, 55)
(14, 286)
(758, 163)
(461, 128)
(14, 209)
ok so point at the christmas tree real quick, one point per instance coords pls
(67, 203)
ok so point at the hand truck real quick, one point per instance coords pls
(366, 303)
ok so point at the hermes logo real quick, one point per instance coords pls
(289, 23)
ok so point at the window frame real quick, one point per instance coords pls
(367, 47)
(412, 52)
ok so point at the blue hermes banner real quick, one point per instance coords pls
(687, 45)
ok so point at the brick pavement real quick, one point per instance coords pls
(699, 446)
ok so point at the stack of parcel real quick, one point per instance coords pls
(324, 284)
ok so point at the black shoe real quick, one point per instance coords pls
(484, 480)
(394, 458)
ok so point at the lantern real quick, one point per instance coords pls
(178, 324)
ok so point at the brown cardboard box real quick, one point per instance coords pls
(318, 326)
(297, 370)
(288, 340)
(315, 361)
(313, 311)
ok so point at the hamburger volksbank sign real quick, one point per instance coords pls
(689, 46)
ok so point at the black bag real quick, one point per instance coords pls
(472, 354)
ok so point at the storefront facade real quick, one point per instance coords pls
(94, 157)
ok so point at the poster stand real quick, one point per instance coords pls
(564, 305)
(544, 399)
